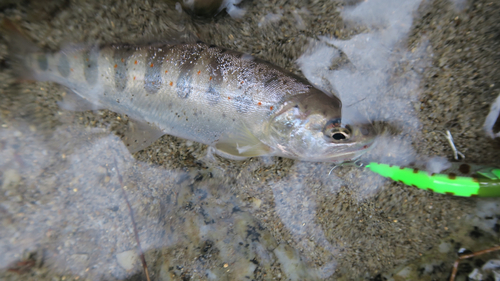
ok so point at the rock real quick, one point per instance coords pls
(127, 259)
(291, 263)
(10, 179)
(444, 247)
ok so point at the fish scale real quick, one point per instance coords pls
(238, 104)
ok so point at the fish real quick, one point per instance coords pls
(239, 105)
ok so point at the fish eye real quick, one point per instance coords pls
(338, 134)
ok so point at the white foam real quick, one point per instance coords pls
(270, 18)
(492, 118)
(437, 165)
(364, 71)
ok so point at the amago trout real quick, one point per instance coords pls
(240, 105)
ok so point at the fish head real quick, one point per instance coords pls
(309, 127)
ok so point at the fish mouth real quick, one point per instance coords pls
(339, 157)
(351, 153)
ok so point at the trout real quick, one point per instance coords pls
(236, 103)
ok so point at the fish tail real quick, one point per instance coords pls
(20, 50)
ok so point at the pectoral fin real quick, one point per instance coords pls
(242, 143)
(140, 135)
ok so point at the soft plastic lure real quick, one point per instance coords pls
(461, 179)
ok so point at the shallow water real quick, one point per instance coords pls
(419, 66)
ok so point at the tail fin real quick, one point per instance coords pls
(19, 48)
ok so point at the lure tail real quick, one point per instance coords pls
(484, 182)
(20, 50)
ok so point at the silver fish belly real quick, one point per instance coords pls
(239, 104)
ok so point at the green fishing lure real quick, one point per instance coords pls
(460, 179)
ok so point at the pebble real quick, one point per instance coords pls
(79, 258)
(405, 272)
(256, 202)
(491, 265)
(291, 263)
(127, 259)
(444, 247)
(476, 275)
(10, 179)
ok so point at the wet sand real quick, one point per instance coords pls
(63, 215)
